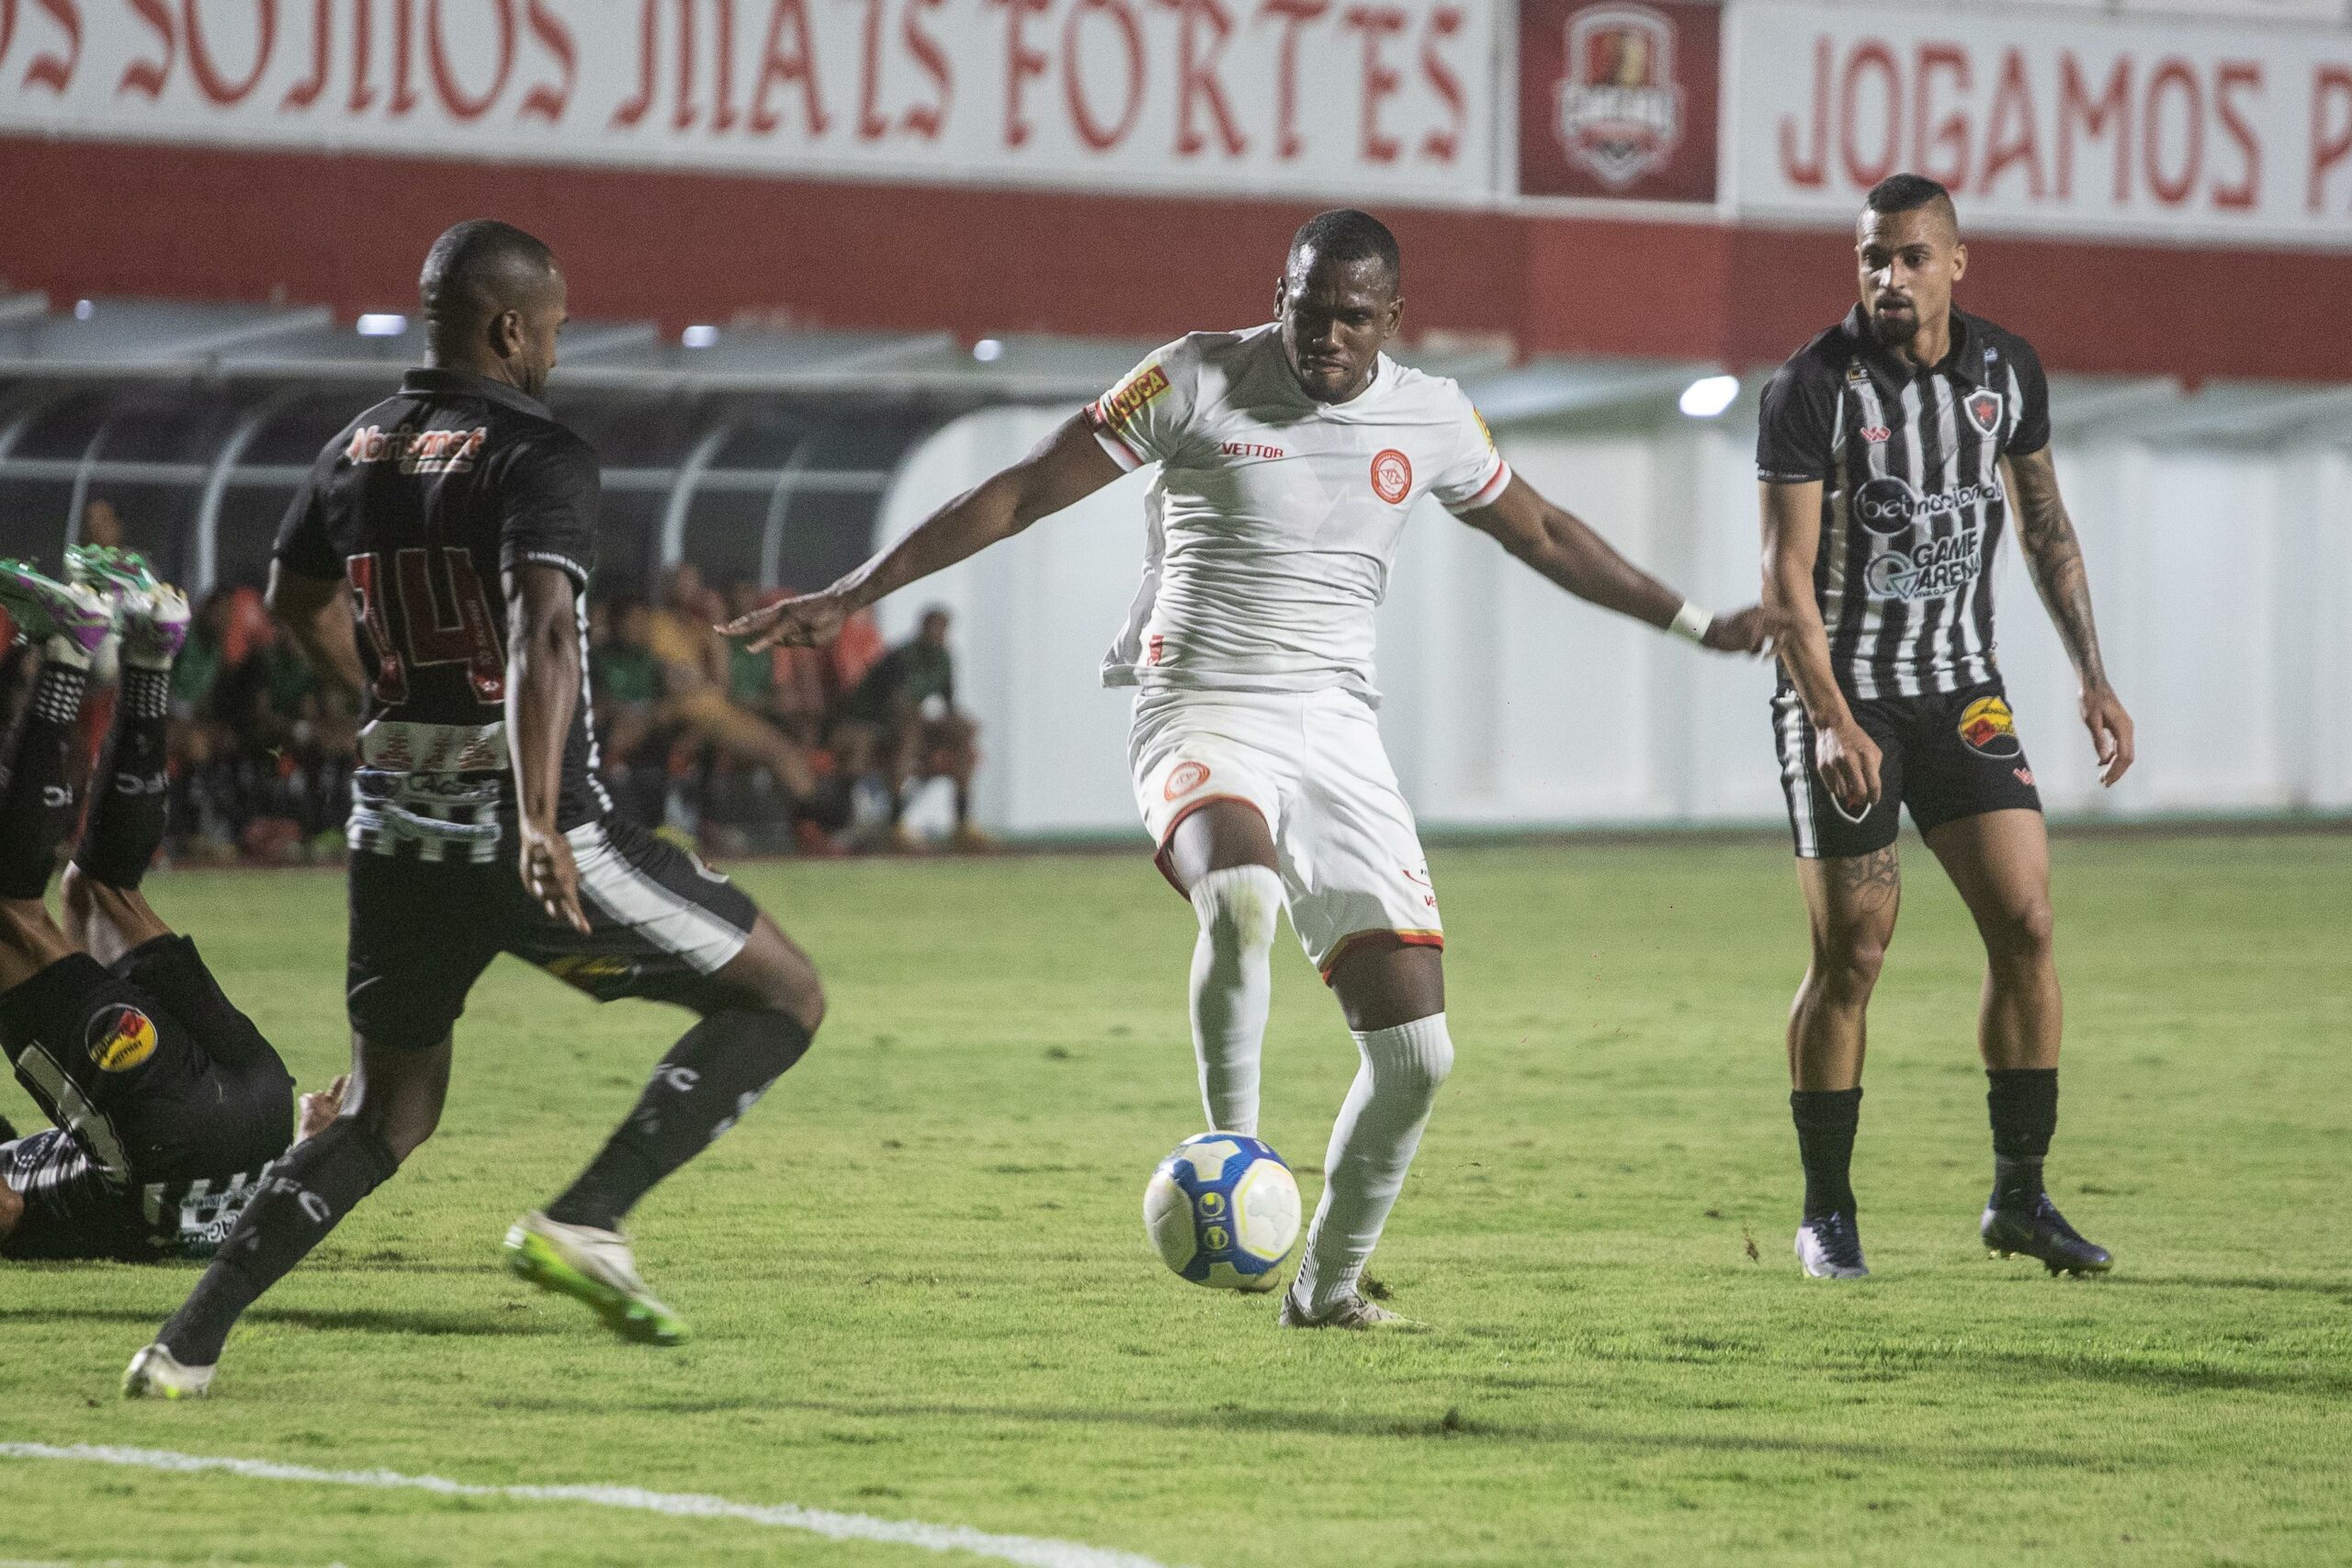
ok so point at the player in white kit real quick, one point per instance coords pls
(1290, 455)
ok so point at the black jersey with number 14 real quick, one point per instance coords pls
(422, 505)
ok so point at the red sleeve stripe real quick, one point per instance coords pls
(1111, 441)
(1493, 489)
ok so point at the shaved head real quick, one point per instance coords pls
(493, 301)
(1346, 234)
(1914, 193)
(480, 267)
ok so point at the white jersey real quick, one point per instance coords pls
(1274, 519)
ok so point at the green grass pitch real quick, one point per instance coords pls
(923, 1292)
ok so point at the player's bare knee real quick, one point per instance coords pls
(771, 975)
(12, 1208)
(2023, 935)
(1848, 963)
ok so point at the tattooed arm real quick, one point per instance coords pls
(2055, 556)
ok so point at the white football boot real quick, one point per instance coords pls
(1831, 1248)
(1354, 1310)
(155, 1373)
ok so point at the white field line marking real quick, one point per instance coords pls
(1031, 1551)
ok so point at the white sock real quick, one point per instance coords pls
(1372, 1147)
(1232, 985)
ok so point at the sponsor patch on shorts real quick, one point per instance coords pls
(122, 1037)
(1989, 729)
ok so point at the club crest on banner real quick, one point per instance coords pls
(1619, 107)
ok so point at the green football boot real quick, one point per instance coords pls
(593, 1267)
(150, 614)
(44, 607)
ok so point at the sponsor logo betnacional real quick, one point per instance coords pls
(1927, 568)
(1618, 111)
(1888, 505)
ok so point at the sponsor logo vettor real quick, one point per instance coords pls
(122, 1037)
(1392, 476)
(1618, 112)
(1989, 730)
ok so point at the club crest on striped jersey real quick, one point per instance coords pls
(1983, 407)
(121, 1038)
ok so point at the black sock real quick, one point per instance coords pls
(37, 807)
(2024, 1106)
(127, 815)
(302, 1197)
(711, 1076)
(1826, 1120)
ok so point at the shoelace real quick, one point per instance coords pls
(1840, 1244)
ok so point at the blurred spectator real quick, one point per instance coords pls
(261, 753)
(102, 524)
(695, 681)
(790, 687)
(901, 722)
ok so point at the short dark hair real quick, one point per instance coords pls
(1347, 234)
(1908, 193)
(480, 267)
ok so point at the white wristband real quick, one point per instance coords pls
(1691, 622)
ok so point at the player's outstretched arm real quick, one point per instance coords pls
(1558, 544)
(313, 611)
(1847, 758)
(542, 689)
(2055, 553)
(1066, 468)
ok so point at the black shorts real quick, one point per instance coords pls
(159, 1085)
(422, 931)
(1945, 756)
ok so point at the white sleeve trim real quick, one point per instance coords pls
(1487, 493)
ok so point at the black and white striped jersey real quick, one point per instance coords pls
(75, 1207)
(1912, 500)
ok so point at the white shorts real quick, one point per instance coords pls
(1311, 764)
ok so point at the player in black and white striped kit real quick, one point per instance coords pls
(1890, 450)
(436, 560)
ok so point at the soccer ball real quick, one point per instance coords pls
(1223, 1211)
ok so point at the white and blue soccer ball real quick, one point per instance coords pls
(1222, 1210)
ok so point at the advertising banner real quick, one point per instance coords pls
(2116, 127)
(1618, 99)
(1382, 98)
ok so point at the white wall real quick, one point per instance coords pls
(2223, 579)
